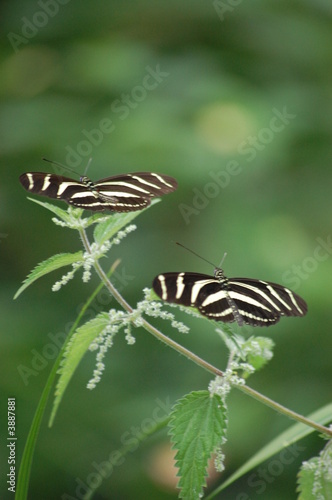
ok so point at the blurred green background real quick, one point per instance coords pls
(241, 93)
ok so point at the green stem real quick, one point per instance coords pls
(282, 409)
(193, 357)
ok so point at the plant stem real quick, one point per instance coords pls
(150, 328)
(193, 357)
(282, 409)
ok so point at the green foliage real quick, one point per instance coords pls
(75, 350)
(65, 215)
(315, 476)
(292, 435)
(307, 480)
(47, 266)
(198, 421)
(197, 427)
(229, 64)
(107, 229)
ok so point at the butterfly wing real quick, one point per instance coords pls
(51, 185)
(262, 303)
(133, 191)
(201, 291)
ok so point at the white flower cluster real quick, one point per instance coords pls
(223, 385)
(254, 347)
(123, 233)
(118, 320)
(219, 461)
(123, 320)
(89, 258)
(246, 368)
(72, 220)
(66, 277)
(154, 309)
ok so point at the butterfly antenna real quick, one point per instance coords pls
(88, 165)
(222, 260)
(64, 167)
(197, 255)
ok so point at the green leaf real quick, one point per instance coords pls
(30, 445)
(285, 439)
(197, 427)
(49, 265)
(65, 215)
(107, 229)
(306, 479)
(315, 478)
(76, 348)
(72, 216)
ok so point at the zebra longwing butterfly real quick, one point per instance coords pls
(244, 300)
(120, 193)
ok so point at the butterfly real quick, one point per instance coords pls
(120, 193)
(244, 300)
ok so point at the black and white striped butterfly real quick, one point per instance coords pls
(120, 193)
(244, 300)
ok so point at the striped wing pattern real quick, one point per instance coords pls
(246, 301)
(120, 193)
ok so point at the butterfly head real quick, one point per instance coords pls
(219, 274)
(86, 181)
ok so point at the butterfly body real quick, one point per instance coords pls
(120, 193)
(244, 300)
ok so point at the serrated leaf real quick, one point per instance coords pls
(315, 476)
(107, 229)
(71, 213)
(197, 427)
(306, 479)
(47, 266)
(77, 347)
(290, 436)
(62, 214)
